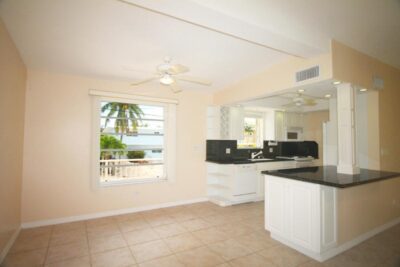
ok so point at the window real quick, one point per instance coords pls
(135, 141)
(253, 132)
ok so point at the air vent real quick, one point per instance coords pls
(307, 74)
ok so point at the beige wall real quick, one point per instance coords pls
(352, 66)
(12, 97)
(57, 150)
(313, 130)
(365, 207)
(278, 77)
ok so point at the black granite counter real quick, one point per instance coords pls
(246, 161)
(328, 175)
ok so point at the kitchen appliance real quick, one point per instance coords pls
(294, 134)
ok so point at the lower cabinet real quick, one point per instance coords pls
(229, 184)
(301, 213)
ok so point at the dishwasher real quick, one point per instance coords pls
(245, 180)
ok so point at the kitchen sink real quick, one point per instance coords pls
(264, 159)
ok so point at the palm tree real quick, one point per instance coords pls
(125, 113)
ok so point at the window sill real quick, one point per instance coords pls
(133, 182)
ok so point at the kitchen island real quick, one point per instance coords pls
(321, 213)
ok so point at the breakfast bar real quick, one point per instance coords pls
(321, 212)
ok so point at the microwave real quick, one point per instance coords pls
(294, 134)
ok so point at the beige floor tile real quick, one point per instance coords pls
(103, 230)
(160, 219)
(151, 250)
(253, 260)
(76, 262)
(107, 243)
(59, 228)
(391, 262)
(312, 263)
(210, 235)
(183, 215)
(341, 261)
(34, 232)
(115, 258)
(257, 241)
(140, 236)
(368, 254)
(215, 220)
(26, 259)
(229, 249)
(68, 236)
(235, 229)
(225, 264)
(256, 223)
(131, 225)
(128, 217)
(99, 221)
(199, 257)
(182, 242)
(195, 224)
(283, 256)
(168, 261)
(65, 252)
(25, 242)
(169, 230)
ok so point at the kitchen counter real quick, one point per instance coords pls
(328, 175)
(246, 161)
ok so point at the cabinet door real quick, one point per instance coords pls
(245, 180)
(236, 122)
(279, 125)
(275, 205)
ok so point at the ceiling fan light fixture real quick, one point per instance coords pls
(166, 79)
(301, 91)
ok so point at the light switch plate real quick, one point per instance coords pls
(227, 151)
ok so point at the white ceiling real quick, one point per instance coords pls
(371, 26)
(223, 41)
(101, 37)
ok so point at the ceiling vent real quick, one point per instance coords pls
(307, 74)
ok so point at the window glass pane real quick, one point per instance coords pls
(253, 133)
(131, 142)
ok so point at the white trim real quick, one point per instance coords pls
(337, 250)
(94, 92)
(9, 244)
(110, 213)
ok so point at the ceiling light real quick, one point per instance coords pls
(337, 82)
(328, 95)
(363, 89)
(166, 79)
(301, 90)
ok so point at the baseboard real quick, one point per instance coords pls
(339, 249)
(109, 213)
(9, 244)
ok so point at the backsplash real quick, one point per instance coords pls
(221, 150)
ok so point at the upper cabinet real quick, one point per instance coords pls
(278, 122)
(225, 122)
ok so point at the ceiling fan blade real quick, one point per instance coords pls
(144, 81)
(194, 80)
(175, 88)
(290, 105)
(309, 102)
(312, 97)
(178, 69)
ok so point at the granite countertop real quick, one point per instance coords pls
(245, 161)
(328, 175)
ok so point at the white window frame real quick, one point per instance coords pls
(169, 148)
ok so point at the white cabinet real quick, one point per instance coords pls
(301, 214)
(278, 122)
(225, 122)
(229, 184)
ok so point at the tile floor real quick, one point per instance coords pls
(200, 234)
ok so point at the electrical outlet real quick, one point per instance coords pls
(271, 150)
(227, 151)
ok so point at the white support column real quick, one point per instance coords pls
(347, 151)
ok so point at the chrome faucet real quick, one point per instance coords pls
(256, 154)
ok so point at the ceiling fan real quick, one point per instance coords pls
(299, 100)
(169, 74)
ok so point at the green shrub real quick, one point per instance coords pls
(135, 154)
